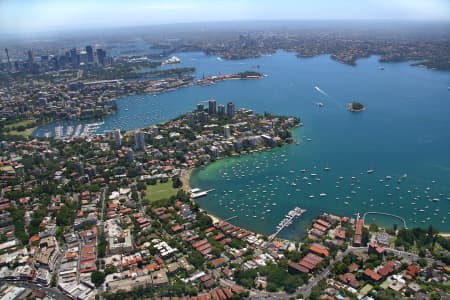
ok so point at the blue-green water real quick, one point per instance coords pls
(404, 130)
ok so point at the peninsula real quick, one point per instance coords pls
(107, 206)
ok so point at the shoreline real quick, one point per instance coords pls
(186, 180)
(216, 219)
(186, 176)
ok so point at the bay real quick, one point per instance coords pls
(405, 130)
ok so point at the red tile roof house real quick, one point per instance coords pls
(319, 249)
(340, 234)
(295, 267)
(374, 248)
(412, 271)
(385, 271)
(218, 262)
(372, 275)
(353, 268)
(307, 264)
(323, 223)
(350, 279)
(358, 232)
(177, 228)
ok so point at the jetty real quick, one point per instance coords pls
(287, 221)
(197, 193)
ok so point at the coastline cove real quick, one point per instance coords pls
(381, 138)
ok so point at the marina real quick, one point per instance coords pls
(287, 221)
(68, 131)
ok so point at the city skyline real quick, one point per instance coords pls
(49, 15)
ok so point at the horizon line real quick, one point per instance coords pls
(156, 25)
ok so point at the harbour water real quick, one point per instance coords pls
(404, 133)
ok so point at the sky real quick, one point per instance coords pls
(25, 16)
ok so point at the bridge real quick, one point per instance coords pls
(384, 214)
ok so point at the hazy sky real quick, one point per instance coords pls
(43, 15)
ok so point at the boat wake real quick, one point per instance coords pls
(442, 167)
(325, 94)
(321, 91)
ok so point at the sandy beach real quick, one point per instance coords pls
(214, 218)
(185, 178)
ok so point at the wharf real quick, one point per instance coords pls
(287, 221)
(197, 193)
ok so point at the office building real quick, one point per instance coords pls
(200, 107)
(139, 140)
(90, 54)
(101, 56)
(226, 131)
(117, 138)
(74, 58)
(130, 155)
(221, 110)
(9, 60)
(203, 117)
(30, 60)
(230, 110)
(212, 109)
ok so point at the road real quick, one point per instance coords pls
(52, 293)
(306, 289)
(141, 207)
(103, 195)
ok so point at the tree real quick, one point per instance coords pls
(246, 278)
(110, 270)
(97, 278)
(422, 252)
(196, 259)
(422, 262)
(177, 183)
(141, 186)
(203, 221)
(340, 268)
(365, 237)
(373, 227)
(65, 216)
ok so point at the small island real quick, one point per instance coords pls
(355, 107)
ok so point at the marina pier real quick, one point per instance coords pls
(287, 221)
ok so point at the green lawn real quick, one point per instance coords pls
(20, 123)
(13, 128)
(160, 191)
(25, 133)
